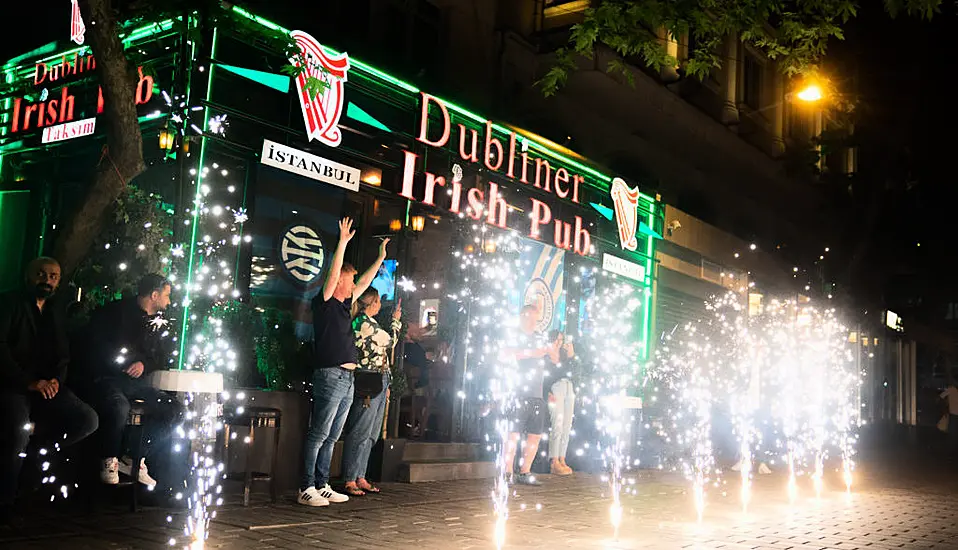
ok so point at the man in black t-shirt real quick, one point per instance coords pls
(335, 361)
(531, 413)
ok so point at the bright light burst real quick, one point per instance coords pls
(781, 377)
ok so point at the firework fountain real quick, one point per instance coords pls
(784, 369)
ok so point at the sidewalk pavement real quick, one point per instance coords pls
(898, 501)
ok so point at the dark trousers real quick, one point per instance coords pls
(63, 420)
(111, 398)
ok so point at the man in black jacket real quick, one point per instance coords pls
(123, 344)
(34, 353)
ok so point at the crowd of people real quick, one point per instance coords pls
(45, 403)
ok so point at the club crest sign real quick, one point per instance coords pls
(302, 254)
(538, 294)
(321, 113)
(626, 201)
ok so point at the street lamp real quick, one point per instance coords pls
(810, 93)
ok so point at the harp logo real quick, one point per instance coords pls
(626, 201)
(321, 113)
(77, 28)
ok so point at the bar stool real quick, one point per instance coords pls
(252, 418)
(134, 427)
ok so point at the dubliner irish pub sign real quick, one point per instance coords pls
(501, 157)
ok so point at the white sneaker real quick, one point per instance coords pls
(125, 467)
(329, 494)
(311, 497)
(763, 469)
(109, 473)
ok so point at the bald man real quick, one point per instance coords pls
(34, 356)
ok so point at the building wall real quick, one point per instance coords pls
(701, 145)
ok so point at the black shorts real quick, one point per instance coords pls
(531, 416)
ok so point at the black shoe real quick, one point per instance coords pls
(527, 479)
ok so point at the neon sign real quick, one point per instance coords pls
(56, 109)
(626, 202)
(77, 28)
(321, 113)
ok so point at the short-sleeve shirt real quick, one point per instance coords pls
(532, 370)
(332, 333)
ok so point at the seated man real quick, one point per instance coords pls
(34, 354)
(123, 346)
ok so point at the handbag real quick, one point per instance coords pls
(943, 424)
(368, 384)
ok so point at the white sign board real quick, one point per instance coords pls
(625, 268)
(309, 165)
(69, 130)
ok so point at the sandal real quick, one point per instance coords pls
(353, 490)
(368, 487)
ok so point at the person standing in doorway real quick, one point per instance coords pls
(336, 359)
(364, 425)
(530, 413)
(561, 404)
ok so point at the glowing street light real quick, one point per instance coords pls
(810, 94)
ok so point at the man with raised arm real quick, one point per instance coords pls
(335, 360)
(530, 413)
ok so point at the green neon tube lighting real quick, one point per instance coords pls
(195, 215)
(144, 31)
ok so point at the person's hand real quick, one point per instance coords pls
(387, 394)
(382, 248)
(47, 388)
(135, 370)
(346, 231)
(397, 313)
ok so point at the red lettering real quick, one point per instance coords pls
(472, 157)
(144, 88)
(475, 198)
(66, 105)
(52, 110)
(431, 183)
(539, 164)
(424, 121)
(26, 115)
(541, 215)
(562, 176)
(39, 76)
(408, 172)
(583, 241)
(498, 208)
(563, 235)
(14, 126)
(490, 142)
(99, 100)
(512, 154)
(456, 197)
(525, 167)
(576, 180)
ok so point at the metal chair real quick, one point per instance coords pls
(134, 426)
(252, 418)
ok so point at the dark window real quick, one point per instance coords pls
(752, 82)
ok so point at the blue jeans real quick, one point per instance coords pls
(332, 395)
(363, 428)
(562, 412)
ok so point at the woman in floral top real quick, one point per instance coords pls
(365, 421)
